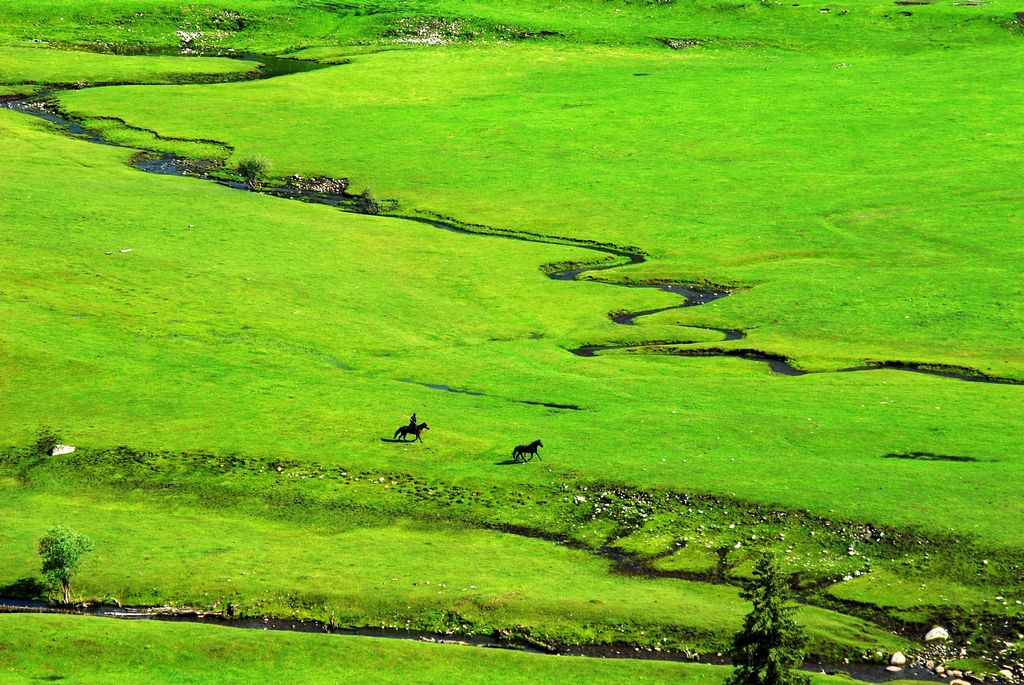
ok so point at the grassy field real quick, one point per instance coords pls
(406, 573)
(853, 174)
(841, 243)
(40, 66)
(70, 649)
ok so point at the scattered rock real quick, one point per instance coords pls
(127, 249)
(936, 633)
(958, 681)
(1006, 673)
(61, 449)
(319, 184)
(680, 43)
(940, 669)
(893, 669)
(898, 659)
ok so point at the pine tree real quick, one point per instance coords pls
(769, 647)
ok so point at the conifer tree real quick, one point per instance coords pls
(769, 647)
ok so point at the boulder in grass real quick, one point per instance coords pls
(898, 659)
(61, 449)
(936, 633)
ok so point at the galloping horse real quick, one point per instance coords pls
(521, 452)
(406, 431)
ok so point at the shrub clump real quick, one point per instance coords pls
(46, 440)
(366, 202)
(254, 170)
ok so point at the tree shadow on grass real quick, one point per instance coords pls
(23, 588)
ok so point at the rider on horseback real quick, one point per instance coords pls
(412, 421)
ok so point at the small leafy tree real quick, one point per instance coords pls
(769, 647)
(254, 170)
(367, 202)
(46, 440)
(62, 549)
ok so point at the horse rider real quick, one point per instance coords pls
(412, 421)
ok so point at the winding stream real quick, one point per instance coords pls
(868, 673)
(692, 295)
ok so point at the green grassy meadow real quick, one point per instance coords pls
(63, 647)
(231, 364)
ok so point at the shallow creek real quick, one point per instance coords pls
(692, 295)
(868, 673)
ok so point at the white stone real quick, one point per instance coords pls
(958, 681)
(898, 659)
(893, 669)
(936, 633)
(62, 449)
(1006, 673)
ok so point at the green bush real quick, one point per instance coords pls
(367, 203)
(46, 440)
(254, 169)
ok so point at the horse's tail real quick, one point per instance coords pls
(397, 432)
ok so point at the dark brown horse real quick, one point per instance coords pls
(525, 453)
(405, 431)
